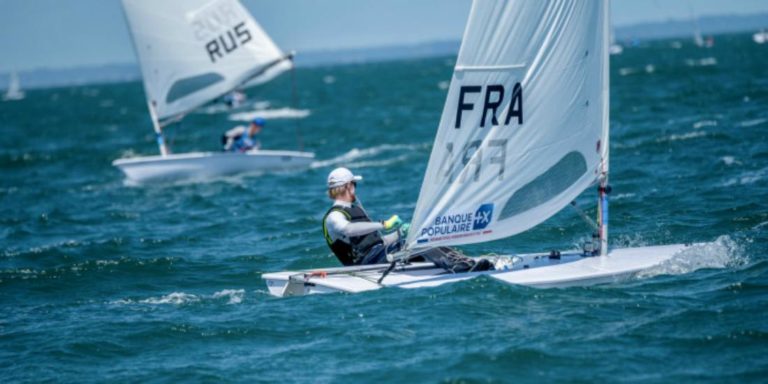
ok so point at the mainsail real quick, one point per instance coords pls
(524, 129)
(193, 51)
(14, 87)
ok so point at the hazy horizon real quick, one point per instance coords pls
(97, 34)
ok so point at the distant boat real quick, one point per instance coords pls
(698, 38)
(760, 37)
(614, 47)
(14, 91)
(193, 52)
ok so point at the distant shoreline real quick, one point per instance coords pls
(653, 31)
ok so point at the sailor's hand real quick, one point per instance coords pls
(393, 222)
(404, 229)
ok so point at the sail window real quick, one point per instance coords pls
(547, 186)
(187, 86)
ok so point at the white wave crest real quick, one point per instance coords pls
(704, 123)
(622, 196)
(358, 154)
(235, 295)
(705, 62)
(752, 123)
(279, 113)
(747, 178)
(721, 253)
(173, 298)
(627, 71)
(730, 160)
(684, 136)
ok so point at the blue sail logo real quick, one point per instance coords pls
(483, 216)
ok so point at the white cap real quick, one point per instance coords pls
(341, 176)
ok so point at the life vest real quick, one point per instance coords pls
(243, 143)
(353, 252)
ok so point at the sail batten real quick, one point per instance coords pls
(193, 51)
(463, 68)
(524, 123)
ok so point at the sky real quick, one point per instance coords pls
(71, 33)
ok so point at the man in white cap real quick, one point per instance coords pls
(352, 236)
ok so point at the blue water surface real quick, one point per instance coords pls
(101, 281)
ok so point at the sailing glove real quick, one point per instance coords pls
(392, 223)
(404, 229)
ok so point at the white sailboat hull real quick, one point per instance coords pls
(760, 37)
(13, 96)
(205, 165)
(535, 270)
(14, 91)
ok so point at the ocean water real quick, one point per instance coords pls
(106, 282)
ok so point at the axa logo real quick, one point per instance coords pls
(483, 216)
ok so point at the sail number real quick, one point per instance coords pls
(228, 42)
(494, 97)
(471, 155)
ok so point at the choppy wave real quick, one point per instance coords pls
(684, 136)
(730, 160)
(724, 252)
(753, 122)
(703, 62)
(627, 71)
(232, 296)
(747, 178)
(350, 157)
(112, 284)
(704, 123)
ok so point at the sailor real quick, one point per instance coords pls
(243, 139)
(234, 99)
(350, 233)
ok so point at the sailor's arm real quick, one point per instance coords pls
(390, 238)
(236, 131)
(232, 135)
(338, 223)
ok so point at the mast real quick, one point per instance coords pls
(604, 189)
(158, 129)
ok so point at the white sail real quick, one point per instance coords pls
(13, 86)
(14, 91)
(193, 51)
(525, 126)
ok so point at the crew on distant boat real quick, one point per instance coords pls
(234, 99)
(350, 233)
(243, 139)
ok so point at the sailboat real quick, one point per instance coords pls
(698, 38)
(615, 48)
(760, 37)
(192, 52)
(524, 131)
(14, 91)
